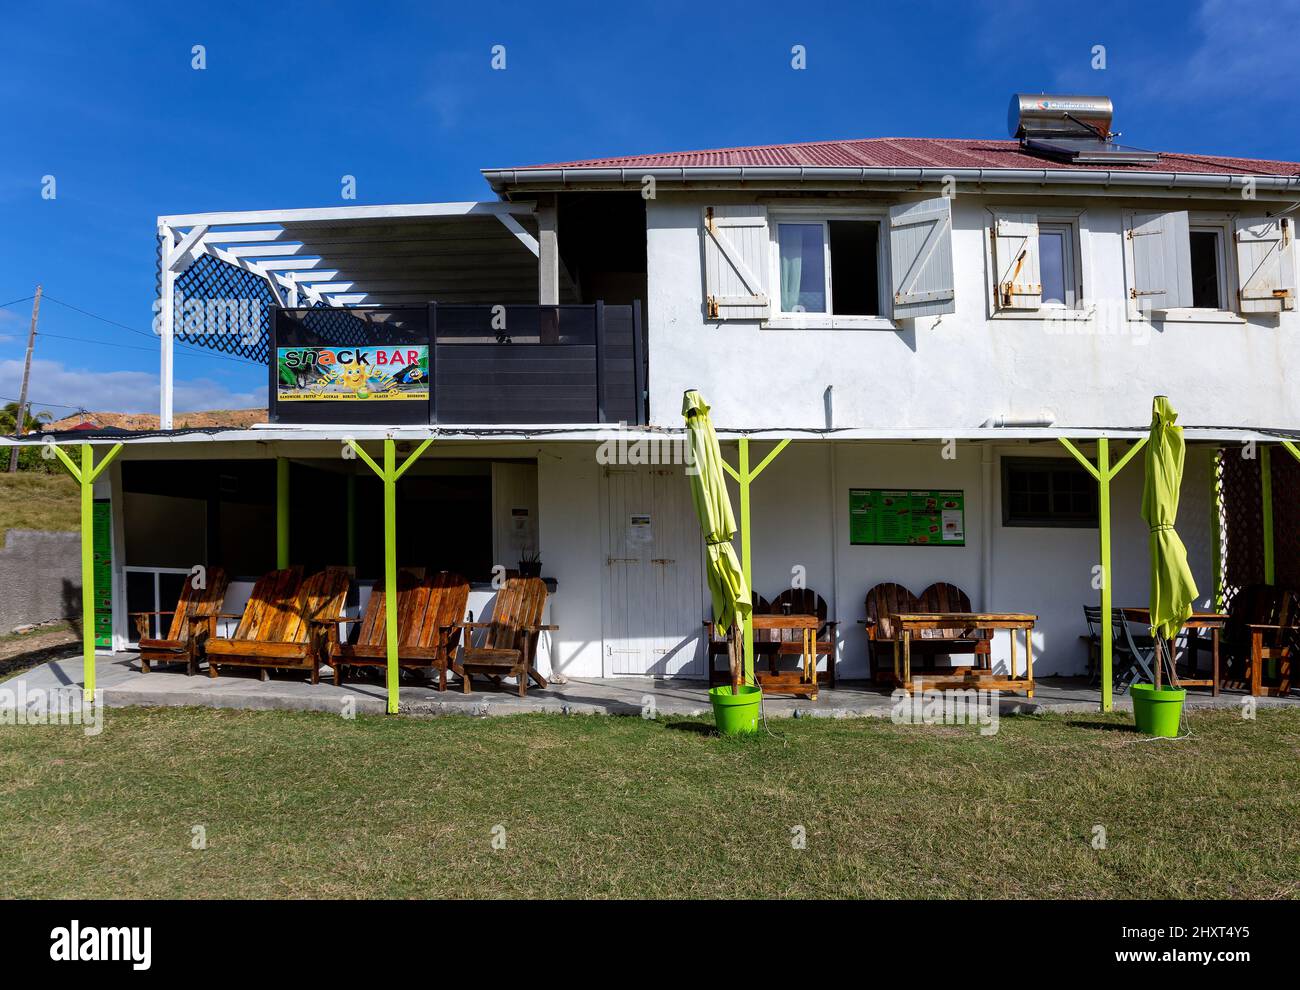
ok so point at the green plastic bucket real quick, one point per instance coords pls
(1157, 713)
(736, 713)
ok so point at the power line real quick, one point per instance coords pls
(17, 301)
(192, 348)
(37, 402)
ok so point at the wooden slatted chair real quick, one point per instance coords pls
(882, 602)
(509, 642)
(430, 611)
(189, 626)
(943, 597)
(805, 601)
(720, 646)
(1274, 641)
(288, 623)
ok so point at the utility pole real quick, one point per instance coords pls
(19, 420)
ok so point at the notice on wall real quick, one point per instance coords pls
(102, 569)
(640, 530)
(378, 373)
(906, 517)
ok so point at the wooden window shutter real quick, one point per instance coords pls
(920, 255)
(1265, 264)
(1161, 276)
(1018, 283)
(735, 262)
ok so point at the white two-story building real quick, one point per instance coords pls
(924, 320)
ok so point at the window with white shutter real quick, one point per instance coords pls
(920, 254)
(1017, 280)
(735, 262)
(1266, 266)
(1158, 262)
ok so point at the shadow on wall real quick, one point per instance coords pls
(72, 605)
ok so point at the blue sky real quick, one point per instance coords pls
(102, 96)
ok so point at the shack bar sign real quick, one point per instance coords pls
(907, 517)
(351, 374)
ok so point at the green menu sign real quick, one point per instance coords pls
(102, 552)
(907, 517)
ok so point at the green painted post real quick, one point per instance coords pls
(1266, 499)
(85, 476)
(1103, 526)
(87, 568)
(390, 569)
(389, 475)
(352, 521)
(281, 513)
(746, 564)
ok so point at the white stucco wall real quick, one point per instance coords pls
(961, 369)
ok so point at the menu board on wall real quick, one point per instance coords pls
(907, 517)
(102, 568)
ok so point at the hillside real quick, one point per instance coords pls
(234, 418)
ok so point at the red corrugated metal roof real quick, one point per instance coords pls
(918, 153)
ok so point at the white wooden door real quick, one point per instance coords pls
(654, 574)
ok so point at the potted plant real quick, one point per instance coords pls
(530, 564)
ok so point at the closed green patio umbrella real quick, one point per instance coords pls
(730, 593)
(1172, 587)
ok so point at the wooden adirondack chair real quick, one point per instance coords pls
(943, 597)
(510, 640)
(287, 624)
(429, 613)
(189, 626)
(883, 601)
(805, 601)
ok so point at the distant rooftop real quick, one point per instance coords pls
(955, 153)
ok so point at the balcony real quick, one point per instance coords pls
(454, 364)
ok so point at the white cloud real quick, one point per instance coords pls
(120, 391)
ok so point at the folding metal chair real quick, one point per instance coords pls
(1138, 653)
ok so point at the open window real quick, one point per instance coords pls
(799, 264)
(1036, 262)
(828, 266)
(1207, 266)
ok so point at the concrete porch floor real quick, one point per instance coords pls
(123, 684)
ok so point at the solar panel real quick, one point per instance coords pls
(1088, 150)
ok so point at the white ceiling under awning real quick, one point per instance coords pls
(373, 255)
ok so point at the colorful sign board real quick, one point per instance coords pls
(351, 374)
(907, 517)
(101, 516)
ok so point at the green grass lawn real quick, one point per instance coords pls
(32, 500)
(302, 805)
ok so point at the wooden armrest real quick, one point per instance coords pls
(173, 612)
(468, 625)
(1262, 626)
(542, 628)
(227, 615)
(341, 620)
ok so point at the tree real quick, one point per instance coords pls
(9, 416)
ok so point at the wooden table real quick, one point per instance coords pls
(909, 624)
(796, 682)
(1213, 621)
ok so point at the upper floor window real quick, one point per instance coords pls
(819, 264)
(829, 266)
(1182, 265)
(1036, 266)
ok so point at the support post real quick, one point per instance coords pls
(166, 323)
(1266, 505)
(389, 474)
(20, 420)
(85, 475)
(281, 513)
(548, 255)
(744, 478)
(1103, 473)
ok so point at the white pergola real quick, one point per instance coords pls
(343, 256)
